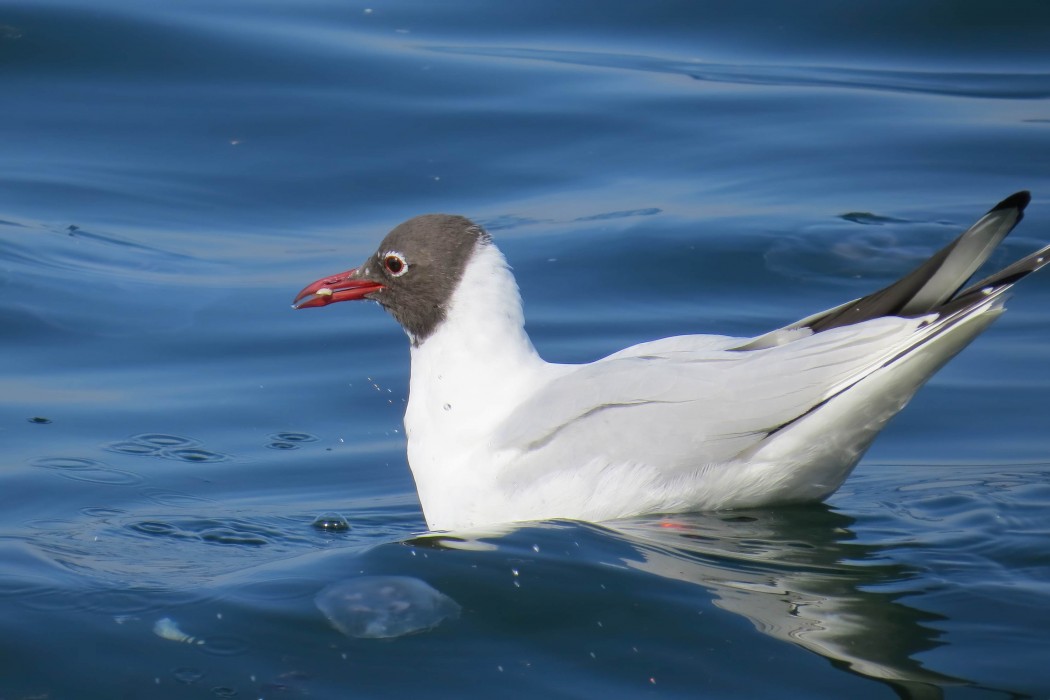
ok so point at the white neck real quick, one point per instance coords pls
(466, 377)
(484, 321)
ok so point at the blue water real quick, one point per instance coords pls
(172, 173)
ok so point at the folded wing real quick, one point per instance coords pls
(696, 407)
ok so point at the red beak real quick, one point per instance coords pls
(328, 290)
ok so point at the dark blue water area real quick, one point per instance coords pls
(172, 173)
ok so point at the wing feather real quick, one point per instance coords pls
(691, 407)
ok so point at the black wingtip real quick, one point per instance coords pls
(1018, 201)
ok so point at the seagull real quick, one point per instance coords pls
(687, 423)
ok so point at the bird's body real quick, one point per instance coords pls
(693, 422)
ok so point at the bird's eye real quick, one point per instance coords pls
(395, 264)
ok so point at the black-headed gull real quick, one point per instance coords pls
(688, 423)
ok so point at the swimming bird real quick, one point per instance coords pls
(686, 423)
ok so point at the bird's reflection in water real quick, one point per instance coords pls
(797, 574)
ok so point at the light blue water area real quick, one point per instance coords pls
(172, 173)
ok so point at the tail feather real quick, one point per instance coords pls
(997, 283)
(1012, 273)
(939, 280)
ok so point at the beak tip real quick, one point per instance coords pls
(308, 301)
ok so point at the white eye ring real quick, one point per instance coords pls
(395, 263)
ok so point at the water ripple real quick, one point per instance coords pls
(194, 454)
(859, 246)
(224, 531)
(289, 440)
(164, 440)
(167, 446)
(90, 470)
(991, 85)
(132, 448)
(167, 497)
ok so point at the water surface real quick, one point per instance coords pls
(170, 429)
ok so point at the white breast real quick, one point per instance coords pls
(466, 379)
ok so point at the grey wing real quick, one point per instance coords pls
(681, 408)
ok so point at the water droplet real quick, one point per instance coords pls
(447, 407)
(331, 522)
